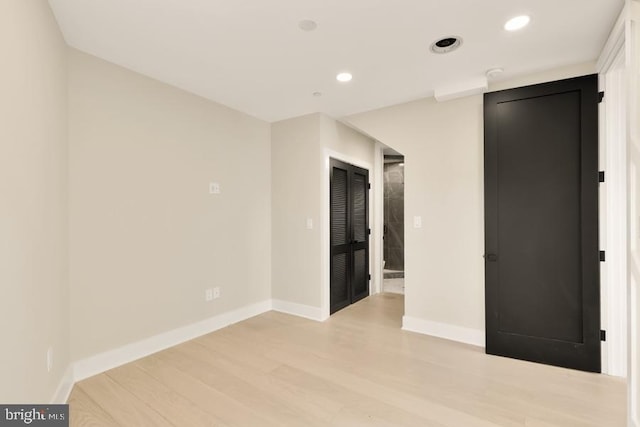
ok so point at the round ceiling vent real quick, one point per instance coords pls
(446, 44)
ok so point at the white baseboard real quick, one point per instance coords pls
(64, 388)
(313, 313)
(113, 358)
(443, 330)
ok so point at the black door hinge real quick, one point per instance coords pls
(369, 277)
(369, 186)
(369, 231)
(602, 257)
(601, 176)
(603, 335)
(600, 97)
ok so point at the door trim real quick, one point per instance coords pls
(325, 226)
(613, 211)
(613, 206)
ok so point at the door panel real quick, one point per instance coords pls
(340, 238)
(349, 234)
(339, 282)
(339, 208)
(360, 275)
(541, 223)
(359, 191)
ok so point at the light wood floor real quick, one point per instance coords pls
(356, 369)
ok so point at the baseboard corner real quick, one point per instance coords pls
(447, 331)
(65, 386)
(300, 310)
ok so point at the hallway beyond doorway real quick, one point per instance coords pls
(393, 275)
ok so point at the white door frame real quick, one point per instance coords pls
(632, 38)
(613, 200)
(377, 231)
(625, 41)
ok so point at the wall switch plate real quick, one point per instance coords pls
(208, 295)
(417, 222)
(309, 224)
(214, 188)
(216, 292)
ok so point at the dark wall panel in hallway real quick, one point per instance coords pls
(394, 216)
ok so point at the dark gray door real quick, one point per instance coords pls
(541, 223)
(349, 234)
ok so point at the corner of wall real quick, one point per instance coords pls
(63, 391)
(443, 330)
(110, 359)
(300, 310)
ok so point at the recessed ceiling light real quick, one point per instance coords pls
(307, 25)
(446, 44)
(517, 23)
(344, 77)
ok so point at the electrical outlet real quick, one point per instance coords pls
(214, 188)
(208, 295)
(49, 359)
(216, 292)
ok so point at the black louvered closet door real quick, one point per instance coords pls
(349, 234)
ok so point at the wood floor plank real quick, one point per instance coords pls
(120, 404)
(357, 403)
(171, 405)
(273, 406)
(305, 397)
(428, 409)
(208, 399)
(83, 411)
(356, 369)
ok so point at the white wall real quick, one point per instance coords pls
(33, 184)
(300, 147)
(341, 139)
(296, 168)
(146, 237)
(443, 148)
(443, 185)
(633, 259)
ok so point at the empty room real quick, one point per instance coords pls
(320, 213)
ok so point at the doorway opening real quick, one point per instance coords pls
(393, 229)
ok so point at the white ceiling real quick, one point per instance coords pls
(251, 55)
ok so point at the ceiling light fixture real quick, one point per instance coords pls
(344, 77)
(517, 23)
(317, 94)
(446, 44)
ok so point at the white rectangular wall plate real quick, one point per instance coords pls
(417, 222)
